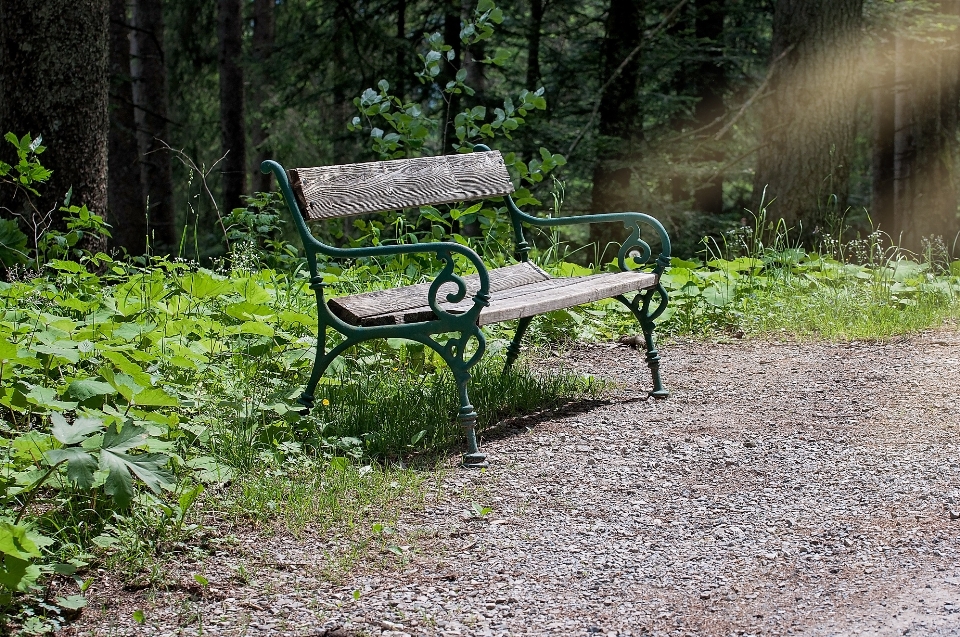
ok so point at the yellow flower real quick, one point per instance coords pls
(325, 402)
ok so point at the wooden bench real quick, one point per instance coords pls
(453, 305)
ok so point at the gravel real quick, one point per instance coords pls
(784, 489)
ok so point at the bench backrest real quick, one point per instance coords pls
(328, 192)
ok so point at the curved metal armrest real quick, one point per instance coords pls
(630, 220)
(444, 251)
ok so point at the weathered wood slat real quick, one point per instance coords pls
(359, 309)
(527, 299)
(327, 192)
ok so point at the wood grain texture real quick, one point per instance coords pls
(328, 192)
(527, 298)
(379, 307)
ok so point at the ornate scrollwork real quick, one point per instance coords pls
(630, 247)
(447, 275)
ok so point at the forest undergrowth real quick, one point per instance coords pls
(135, 395)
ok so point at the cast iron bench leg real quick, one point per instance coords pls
(513, 351)
(640, 306)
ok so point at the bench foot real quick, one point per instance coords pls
(475, 461)
(653, 362)
(306, 400)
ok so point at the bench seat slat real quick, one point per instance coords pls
(361, 309)
(507, 303)
(327, 192)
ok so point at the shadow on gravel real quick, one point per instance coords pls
(510, 427)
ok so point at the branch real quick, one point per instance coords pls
(616, 73)
(756, 94)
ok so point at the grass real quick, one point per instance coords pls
(207, 363)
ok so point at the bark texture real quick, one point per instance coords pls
(883, 102)
(809, 121)
(711, 85)
(534, 35)
(54, 83)
(151, 97)
(621, 123)
(263, 38)
(924, 143)
(125, 193)
(232, 127)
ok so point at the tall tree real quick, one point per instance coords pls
(883, 103)
(125, 194)
(621, 124)
(54, 83)
(534, 34)
(263, 38)
(711, 81)
(809, 120)
(925, 142)
(150, 96)
(451, 37)
(232, 126)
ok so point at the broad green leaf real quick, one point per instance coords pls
(15, 541)
(17, 574)
(81, 390)
(209, 470)
(204, 286)
(149, 467)
(73, 602)
(155, 397)
(73, 434)
(80, 465)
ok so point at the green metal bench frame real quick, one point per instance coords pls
(454, 350)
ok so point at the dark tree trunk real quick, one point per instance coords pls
(125, 192)
(711, 81)
(534, 33)
(451, 37)
(621, 122)
(150, 97)
(232, 128)
(263, 38)
(925, 144)
(809, 121)
(400, 83)
(882, 151)
(54, 82)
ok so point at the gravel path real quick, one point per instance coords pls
(796, 488)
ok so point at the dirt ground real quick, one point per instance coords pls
(794, 488)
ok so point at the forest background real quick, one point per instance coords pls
(157, 113)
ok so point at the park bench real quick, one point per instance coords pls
(452, 305)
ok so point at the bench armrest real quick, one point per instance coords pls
(631, 221)
(443, 249)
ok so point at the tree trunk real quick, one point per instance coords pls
(233, 168)
(809, 121)
(125, 192)
(400, 83)
(534, 33)
(451, 37)
(925, 144)
(621, 122)
(150, 97)
(711, 85)
(263, 38)
(882, 151)
(54, 82)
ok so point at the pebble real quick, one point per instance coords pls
(679, 523)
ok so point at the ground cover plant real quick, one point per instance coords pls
(140, 397)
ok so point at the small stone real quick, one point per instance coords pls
(705, 595)
(954, 515)
(749, 443)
